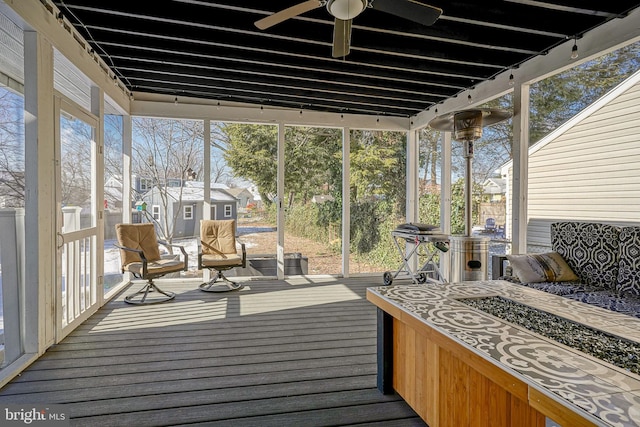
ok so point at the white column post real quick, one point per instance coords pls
(413, 162)
(411, 209)
(40, 206)
(279, 201)
(127, 189)
(127, 185)
(206, 205)
(97, 108)
(445, 199)
(520, 151)
(346, 200)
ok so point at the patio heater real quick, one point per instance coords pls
(469, 254)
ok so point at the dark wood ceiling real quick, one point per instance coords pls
(212, 49)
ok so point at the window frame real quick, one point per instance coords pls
(187, 212)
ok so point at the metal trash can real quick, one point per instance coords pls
(469, 258)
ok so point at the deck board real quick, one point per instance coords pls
(300, 352)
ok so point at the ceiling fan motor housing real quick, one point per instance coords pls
(346, 9)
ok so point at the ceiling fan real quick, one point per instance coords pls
(345, 10)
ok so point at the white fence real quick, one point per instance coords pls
(12, 266)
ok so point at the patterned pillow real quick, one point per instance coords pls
(590, 249)
(547, 267)
(628, 282)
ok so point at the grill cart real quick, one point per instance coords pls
(428, 241)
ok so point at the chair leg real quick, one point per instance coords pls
(225, 285)
(140, 297)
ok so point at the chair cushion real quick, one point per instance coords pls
(137, 236)
(546, 267)
(223, 260)
(559, 288)
(590, 249)
(628, 280)
(218, 236)
(158, 267)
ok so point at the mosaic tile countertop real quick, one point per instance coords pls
(610, 395)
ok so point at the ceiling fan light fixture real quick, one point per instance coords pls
(346, 9)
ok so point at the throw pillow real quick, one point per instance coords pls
(546, 267)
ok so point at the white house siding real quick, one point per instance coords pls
(590, 170)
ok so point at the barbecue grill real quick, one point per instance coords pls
(428, 241)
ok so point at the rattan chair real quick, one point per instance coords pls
(140, 255)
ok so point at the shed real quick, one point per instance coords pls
(186, 207)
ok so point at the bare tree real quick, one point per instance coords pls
(75, 162)
(430, 156)
(12, 178)
(167, 152)
(113, 162)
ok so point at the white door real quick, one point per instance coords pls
(78, 291)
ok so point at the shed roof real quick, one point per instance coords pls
(196, 194)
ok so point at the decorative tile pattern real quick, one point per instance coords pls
(579, 381)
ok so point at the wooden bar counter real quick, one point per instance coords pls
(458, 366)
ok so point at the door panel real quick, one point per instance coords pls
(78, 291)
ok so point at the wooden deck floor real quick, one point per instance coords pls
(300, 352)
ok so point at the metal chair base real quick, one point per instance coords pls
(140, 297)
(225, 285)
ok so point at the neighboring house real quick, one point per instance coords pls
(186, 206)
(587, 169)
(495, 188)
(244, 197)
(113, 194)
(141, 185)
(494, 208)
(257, 198)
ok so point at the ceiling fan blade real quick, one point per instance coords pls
(287, 13)
(341, 38)
(409, 9)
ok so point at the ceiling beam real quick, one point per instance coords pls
(605, 38)
(188, 108)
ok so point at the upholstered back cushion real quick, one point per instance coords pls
(137, 236)
(629, 273)
(218, 236)
(590, 249)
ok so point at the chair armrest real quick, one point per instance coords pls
(244, 255)
(140, 253)
(184, 252)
